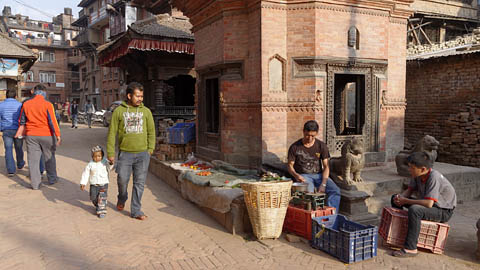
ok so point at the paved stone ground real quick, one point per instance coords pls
(55, 228)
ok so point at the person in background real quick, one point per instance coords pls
(66, 110)
(38, 123)
(89, 110)
(58, 108)
(32, 90)
(74, 113)
(9, 114)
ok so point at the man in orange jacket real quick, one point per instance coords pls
(38, 122)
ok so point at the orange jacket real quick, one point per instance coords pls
(38, 116)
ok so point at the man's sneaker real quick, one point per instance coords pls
(101, 215)
(76, 127)
(53, 182)
(11, 175)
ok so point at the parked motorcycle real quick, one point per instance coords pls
(97, 117)
(82, 117)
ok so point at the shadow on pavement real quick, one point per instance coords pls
(61, 191)
(175, 204)
(54, 253)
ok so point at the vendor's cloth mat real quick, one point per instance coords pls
(214, 191)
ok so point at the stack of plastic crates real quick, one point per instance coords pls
(181, 133)
(348, 241)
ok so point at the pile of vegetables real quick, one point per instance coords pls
(204, 173)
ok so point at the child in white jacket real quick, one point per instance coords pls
(97, 173)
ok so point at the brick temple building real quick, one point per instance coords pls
(265, 67)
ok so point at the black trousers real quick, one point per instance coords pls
(417, 213)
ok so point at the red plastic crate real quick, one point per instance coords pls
(299, 221)
(394, 226)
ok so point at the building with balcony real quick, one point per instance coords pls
(95, 82)
(51, 41)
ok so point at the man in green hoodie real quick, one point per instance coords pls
(134, 125)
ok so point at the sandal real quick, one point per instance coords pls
(403, 254)
(141, 217)
(120, 206)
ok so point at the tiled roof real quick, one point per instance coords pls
(11, 48)
(164, 25)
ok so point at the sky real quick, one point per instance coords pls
(45, 8)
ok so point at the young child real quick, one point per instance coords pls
(97, 173)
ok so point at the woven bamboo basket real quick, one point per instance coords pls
(267, 204)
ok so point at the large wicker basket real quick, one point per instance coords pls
(267, 204)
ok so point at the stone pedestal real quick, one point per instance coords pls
(354, 204)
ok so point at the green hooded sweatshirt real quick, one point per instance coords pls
(135, 128)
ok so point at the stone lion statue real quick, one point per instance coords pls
(352, 161)
(427, 144)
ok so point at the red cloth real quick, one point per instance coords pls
(145, 45)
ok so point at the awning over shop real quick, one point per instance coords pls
(107, 57)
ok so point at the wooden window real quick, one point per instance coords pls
(212, 105)
(43, 77)
(52, 77)
(47, 77)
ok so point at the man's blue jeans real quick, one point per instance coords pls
(9, 142)
(138, 164)
(332, 191)
(74, 120)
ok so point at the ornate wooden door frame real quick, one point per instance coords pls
(372, 73)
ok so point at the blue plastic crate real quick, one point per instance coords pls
(348, 241)
(181, 133)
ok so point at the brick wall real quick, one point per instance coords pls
(257, 125)
(59, 67)
(461, 144)
(438, 93)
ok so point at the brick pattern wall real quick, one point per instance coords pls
(461, 144)
(262, 124)
(59, 67)
(438, 95)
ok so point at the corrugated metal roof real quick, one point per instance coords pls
(12, 48)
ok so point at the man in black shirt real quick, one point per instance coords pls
(308, 162)
(74, 113)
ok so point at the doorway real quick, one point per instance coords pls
(349, 104)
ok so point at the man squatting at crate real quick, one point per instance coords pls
(308, 162)
(436, 200)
